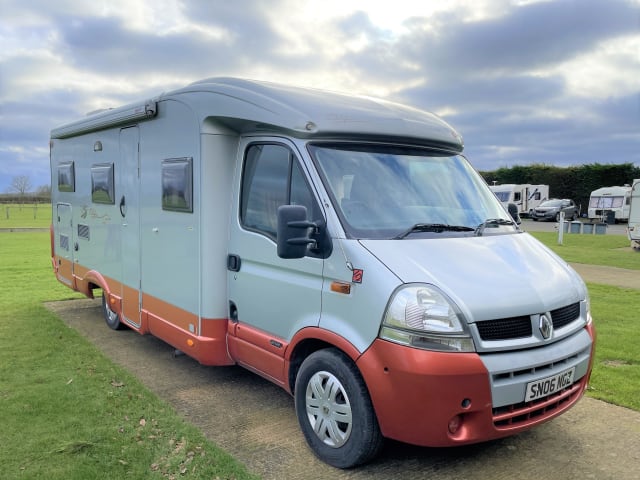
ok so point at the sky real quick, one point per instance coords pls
(524, 81)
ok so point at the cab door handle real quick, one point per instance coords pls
(233, 262)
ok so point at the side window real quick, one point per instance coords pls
(271, 177)
(517, 196)
(102, 189)
(66, 177)
(177, 185)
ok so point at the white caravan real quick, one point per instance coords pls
(339, 246)
(607, 201)
(633, 228)
(526, 197)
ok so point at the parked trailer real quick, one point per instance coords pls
(525, 196)
(610, 203)
(633, 228)
(339, 246)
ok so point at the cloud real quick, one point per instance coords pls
(524, 81)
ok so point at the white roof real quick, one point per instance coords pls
(611, 191)
(247, 105)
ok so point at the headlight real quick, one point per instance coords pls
(587, 301)
(419, 315)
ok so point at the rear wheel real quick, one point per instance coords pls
(335, 411)
(111, 317)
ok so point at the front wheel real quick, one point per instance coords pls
(111, 317)
(335, 411)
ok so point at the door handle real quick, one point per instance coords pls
(233, 263)
(122, 206)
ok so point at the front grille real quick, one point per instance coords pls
(521, 327)
(525, 412)
(565, 315)
(505, 328)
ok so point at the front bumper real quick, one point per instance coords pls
(416, 393)
(544, 216)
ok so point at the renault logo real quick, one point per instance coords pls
(546, 326)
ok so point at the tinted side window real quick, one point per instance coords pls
(66, 177)
(177, 185)
(271, 177)
(102, 187)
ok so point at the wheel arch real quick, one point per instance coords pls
(310, 340)
(94, 280)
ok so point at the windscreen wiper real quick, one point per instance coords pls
(433, 227)
(493, 222)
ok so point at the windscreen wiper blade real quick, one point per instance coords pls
(433, 227)
(494, 222)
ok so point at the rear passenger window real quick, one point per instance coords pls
(177, 185)
(66, 177)
(102, 189)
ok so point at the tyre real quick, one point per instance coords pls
(110, 317)
(335, 411)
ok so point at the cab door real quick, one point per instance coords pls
(270, 298)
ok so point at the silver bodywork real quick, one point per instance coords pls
(181, 258)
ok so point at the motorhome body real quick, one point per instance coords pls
(525, 196)
(340, 246)
(606, 200)
(633, 227)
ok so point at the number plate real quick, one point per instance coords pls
(547, 386)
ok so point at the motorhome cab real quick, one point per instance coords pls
(340, 246)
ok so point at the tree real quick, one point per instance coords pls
(21, 184)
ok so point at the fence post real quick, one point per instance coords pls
(561, 228)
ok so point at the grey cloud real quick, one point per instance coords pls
(106, 45)
(527, 37)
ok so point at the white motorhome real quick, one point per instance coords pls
(633, 227)
(610, 203)
(525, 196)
(340, 246)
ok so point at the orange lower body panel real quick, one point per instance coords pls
(417, 393)
(204, 339)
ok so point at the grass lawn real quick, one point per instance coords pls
(28, 215)
(611, 250)
(68, 412)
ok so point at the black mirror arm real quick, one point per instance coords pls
(304, 224)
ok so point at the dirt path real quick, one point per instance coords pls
(618, 277)
(255, 421)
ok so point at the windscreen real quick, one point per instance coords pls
(381, 191)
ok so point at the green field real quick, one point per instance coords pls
(68, 412)
(28, 215)
(611, 250)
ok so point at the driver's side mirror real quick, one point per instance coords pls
(294, 231)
